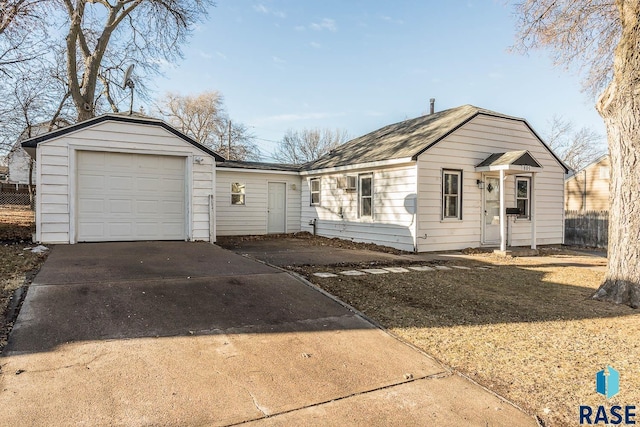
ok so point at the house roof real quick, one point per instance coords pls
(573, 173)
(406, 139)
(236, 164)
(115, 117)
(518, 158)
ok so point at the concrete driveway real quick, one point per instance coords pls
(175, 333)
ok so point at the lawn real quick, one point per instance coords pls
(17, 266)
(526, 328)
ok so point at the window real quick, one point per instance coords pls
(451, 194)
(604, 172)
(366, 196)
(314, 184)
(237, 193)
(523, 196)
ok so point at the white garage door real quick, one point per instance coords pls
(130, 197)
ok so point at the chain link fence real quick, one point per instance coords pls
(15, 199)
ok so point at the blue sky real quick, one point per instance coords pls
(360, 65)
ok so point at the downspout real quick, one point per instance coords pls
(584, 190)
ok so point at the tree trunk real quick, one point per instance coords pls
(619, 106)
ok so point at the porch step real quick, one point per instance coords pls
(517, 252)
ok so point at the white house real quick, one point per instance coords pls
(257, 198)
(434, 183)
(19, 162)
(19, 166)
(464, 177)
(117, 177)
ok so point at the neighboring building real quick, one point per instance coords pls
(19, 166)
(19, 162)
(4, 174)
(588, 188)
(437, 182)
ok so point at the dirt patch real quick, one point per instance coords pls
(233, 242)
(17, 265)
(525, 328)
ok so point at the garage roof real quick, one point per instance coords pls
(33, 142)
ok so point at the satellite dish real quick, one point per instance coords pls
(128, 82)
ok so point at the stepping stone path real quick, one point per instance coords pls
(325, 274)
(424, 268)
(396, 269)
(352, 273)
(387, 270)
(375, 271)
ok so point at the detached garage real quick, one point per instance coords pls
(119, 178)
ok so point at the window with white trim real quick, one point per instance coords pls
(451, 194)
(365, 196)
(237, 193)
(314, 186)
(523, 196)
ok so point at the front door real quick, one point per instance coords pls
(491, 220)
(276, 218)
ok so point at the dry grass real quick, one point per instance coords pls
(526, 329)
(16, 223)
(232, 242)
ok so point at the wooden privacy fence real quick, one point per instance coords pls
(590, 228)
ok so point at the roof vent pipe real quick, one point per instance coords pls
(432, 105)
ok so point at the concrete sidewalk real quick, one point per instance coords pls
(178, 333)
(290, 251)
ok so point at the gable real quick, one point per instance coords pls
(491, 137)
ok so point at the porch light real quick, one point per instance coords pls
(480, 184)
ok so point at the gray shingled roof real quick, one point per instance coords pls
(405, 139)
(236, 164)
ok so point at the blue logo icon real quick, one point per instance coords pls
(608, 382)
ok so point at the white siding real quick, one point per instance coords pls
(464, 149)
(18, 162)
(56, 177)
(393, 221)
(251, 218)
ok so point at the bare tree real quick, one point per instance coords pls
(199, 116)
(602, 37)
(101, 36)
(576, 148)
(144, 30)
(34, 93)
(298, 147)
(203, 117)
(22, 33)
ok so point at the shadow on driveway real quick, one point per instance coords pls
(107, 291)
(175, 333)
